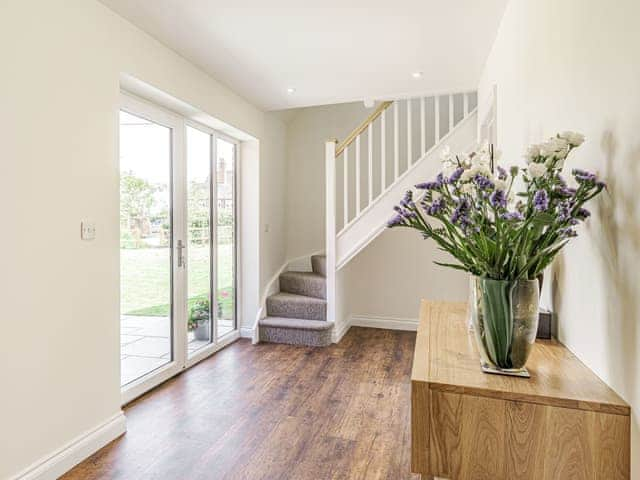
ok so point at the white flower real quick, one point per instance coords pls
(559, 146)
(500, 184)
(533, 151)
(537, 170)
(468, 175)
(467, 188)
(574, 139)
(480, 162)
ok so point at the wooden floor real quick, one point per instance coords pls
(273, 412)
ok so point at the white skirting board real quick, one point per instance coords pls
(83, 446)
(246, 332)
(388, 323)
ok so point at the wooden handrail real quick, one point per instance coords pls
(362, 127)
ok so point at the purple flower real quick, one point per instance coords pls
(408, 197)
(541, 200)
(502, 173)
(483, 182)
(498, 199)
(512, 216)
(436, 207)
(583, 213)
(455, 176)
(395, 221)
(461, 211)
(439, 181)
(567, 233)
(428, 186)
(564, 210)
(582, 176)
(565, 192)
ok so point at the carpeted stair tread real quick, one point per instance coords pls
(309, 284)
(291, 305)
(298, 323)
(296, 331)
(319, 264)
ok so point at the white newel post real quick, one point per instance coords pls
(330, 155)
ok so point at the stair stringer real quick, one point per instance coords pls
(372, 220)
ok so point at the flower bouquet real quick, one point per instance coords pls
(504, 227)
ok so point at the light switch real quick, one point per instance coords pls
(266, 228)
(87, 230)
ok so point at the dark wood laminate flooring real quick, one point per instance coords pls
(273, 412)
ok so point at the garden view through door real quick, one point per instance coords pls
(177, 244)
(210, 251)
(145, 246)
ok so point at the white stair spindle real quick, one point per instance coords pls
(409, 128)
(370, 152)
(450, 112)
(345, 185)
(436, 107)
(357, 175)
(396, 142)
(466, 103)
(330, 229)
(383, 153)
(423, 129)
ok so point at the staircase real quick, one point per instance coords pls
(368, 173)
(395, 148)
(298, 313)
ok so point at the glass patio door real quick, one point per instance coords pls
(177, 244)
(211, 257)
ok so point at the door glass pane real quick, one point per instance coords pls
(225, 236)
(145, 246)
(199, 326)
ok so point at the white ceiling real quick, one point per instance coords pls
(330, 51)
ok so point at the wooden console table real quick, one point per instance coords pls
(563, 423)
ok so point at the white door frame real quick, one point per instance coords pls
(178, 213)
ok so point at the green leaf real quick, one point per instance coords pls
(452, 265)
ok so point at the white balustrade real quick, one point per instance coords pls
(426, 122)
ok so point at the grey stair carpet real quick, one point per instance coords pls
(291, 305)
(296, 331)
(319, 264)
(298, 314)
(309, 284)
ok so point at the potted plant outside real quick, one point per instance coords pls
(199, 320)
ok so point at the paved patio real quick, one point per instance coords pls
(145, 344)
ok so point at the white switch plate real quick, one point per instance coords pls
(87, 230)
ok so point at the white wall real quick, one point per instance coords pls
(307, 131)
(61, 67)
(395, 271)
(573, 65)
(273, 189)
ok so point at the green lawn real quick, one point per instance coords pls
(145, 283)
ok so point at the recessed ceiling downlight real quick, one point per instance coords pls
(291, 90)
(416, 74)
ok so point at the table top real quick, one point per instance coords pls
(446, 357)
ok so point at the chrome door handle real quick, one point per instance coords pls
(180, 248)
